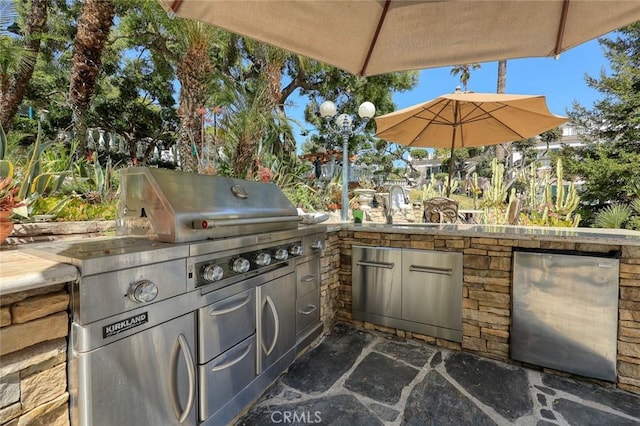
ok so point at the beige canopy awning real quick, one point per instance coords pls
(369, 37)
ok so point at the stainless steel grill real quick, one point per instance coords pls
(205, 297)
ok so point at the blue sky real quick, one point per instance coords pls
(560, 80)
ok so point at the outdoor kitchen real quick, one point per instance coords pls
(88, 326)
(228, 277)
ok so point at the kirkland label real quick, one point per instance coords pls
(124, 325)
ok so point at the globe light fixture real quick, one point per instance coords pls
(343, 127)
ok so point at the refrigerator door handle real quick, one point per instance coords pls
(183, 346)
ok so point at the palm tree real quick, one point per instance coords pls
(94, 24)
(465, 73)
(18, 62)
(269, 64)
(248, 128)
(501, 151)
(194, 73)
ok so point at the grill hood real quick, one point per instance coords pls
(177, 207)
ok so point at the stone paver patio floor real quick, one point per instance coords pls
(356, 377)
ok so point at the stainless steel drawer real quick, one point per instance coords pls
(308, 277)
(307, 310)
(225, 376)
(224, 323)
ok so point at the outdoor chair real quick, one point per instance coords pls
(440, 210)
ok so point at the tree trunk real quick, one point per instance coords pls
(501, 152)
(502, 77)
(193, 73)
(13, 92)
(94, 25)
(244, 160)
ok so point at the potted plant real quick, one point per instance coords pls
(365, 193)
(8, 201)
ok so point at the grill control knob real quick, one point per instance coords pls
(295, 250)
(240, 265)
(212, 273)
(316, 245)
(281, 254)
(143, 291)
(263, 259)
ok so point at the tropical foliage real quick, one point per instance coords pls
(611, 154)
(222, 101)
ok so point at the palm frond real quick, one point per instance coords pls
(613, 216)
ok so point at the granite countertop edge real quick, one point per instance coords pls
(579, 235)
(22, 271)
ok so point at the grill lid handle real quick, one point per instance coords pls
(218, 223)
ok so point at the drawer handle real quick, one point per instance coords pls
(310, 309)
(246, 300)
(232, 362)
(377, 264)
(308, 278)
(430, 270)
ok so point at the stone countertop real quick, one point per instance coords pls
(20, 271)
(540, 233)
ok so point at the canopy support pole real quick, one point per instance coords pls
(453, 144)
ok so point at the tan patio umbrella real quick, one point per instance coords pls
(460, 120)
(369, 37)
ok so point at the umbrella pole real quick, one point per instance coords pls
(453, 141)
(453, 144)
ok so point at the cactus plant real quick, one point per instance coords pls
(454, 186)
(565, 204)
(475, 188)
(532, 199)
(496, 194)
(429, 190)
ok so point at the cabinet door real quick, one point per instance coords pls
(148, 378)
(276, 326)
(432, 288)
(376, 281)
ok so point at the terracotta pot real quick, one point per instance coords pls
(6, 225)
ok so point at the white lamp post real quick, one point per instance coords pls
(343, 128)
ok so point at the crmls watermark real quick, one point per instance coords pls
(295, 417)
